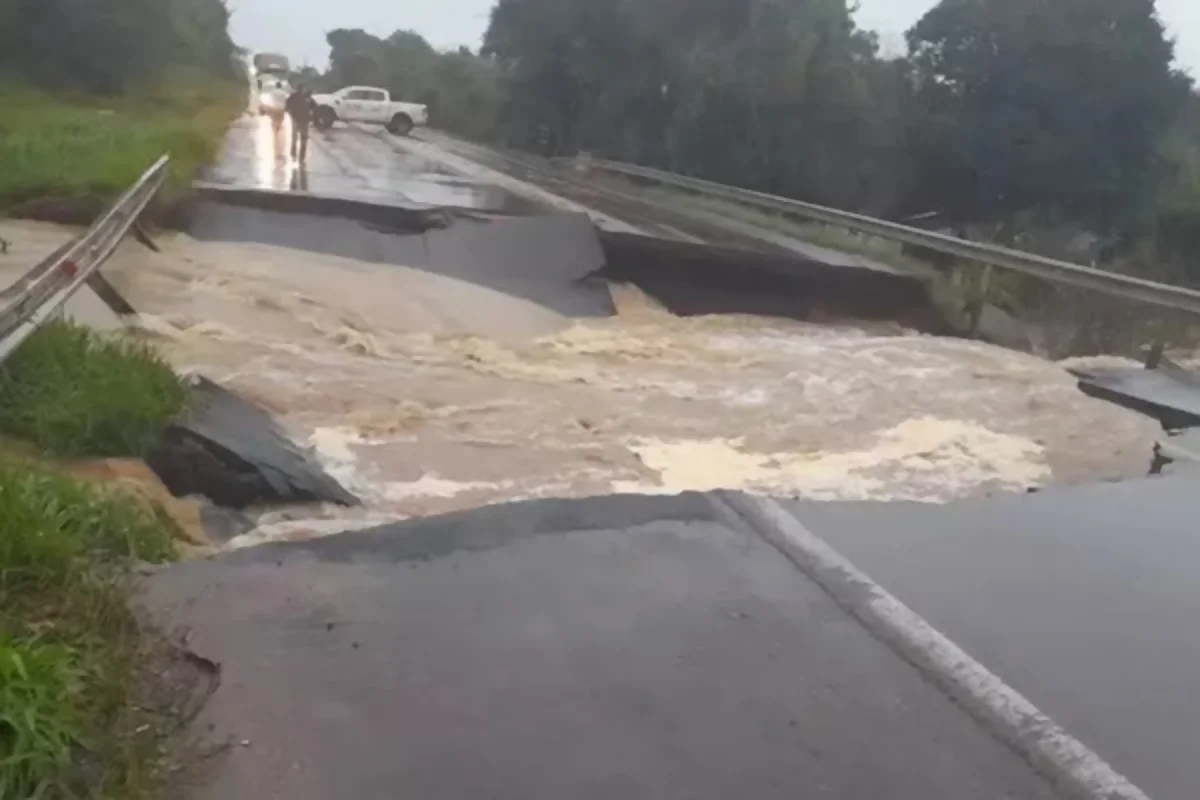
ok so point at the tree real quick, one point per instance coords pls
(772, 94)
(460, 88)
(107, 46)
(1027, 103)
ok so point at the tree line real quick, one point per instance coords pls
(113, 46)
(1072, 110)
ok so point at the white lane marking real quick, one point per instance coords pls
(1065, 760)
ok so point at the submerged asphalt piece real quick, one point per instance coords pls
(544, 259)
(640, 647)
(225, 448)
(1170, 393)
(1084, 600)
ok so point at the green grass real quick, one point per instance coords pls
(72, 656)
(73, 147)
(73, 393)
(75, 664)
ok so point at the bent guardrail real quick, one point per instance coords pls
(1060, 272)
(33, 299)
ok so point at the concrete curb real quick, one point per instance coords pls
(1069, 764)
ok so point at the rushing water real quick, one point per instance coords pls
(424, 394)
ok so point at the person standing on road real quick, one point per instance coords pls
(300, 107)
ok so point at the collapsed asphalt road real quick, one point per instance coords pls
(647, 646)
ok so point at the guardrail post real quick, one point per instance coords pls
(979, 301)
(1155, 356)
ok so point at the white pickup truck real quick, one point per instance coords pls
(371, 105)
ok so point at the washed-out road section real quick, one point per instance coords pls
(643, 646)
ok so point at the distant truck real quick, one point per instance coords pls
(371, 105)
(271, 63)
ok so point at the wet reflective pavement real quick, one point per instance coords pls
(350, 162)
(1084, 599)
(640, 648)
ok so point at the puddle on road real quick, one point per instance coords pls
(407, 389)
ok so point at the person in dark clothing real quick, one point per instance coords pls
(300, 107)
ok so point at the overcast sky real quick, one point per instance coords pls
(297, 27)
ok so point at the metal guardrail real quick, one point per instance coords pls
(37, 296)
(1061, 272)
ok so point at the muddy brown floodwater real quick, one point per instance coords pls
(426, 395)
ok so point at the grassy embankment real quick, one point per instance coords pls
(74, 662)
(86, 148)
(76, 666)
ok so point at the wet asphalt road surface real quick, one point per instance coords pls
(350, 161)
(367, 163)
(626, 647)
(1085, 600)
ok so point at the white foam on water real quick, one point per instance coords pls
(432, 485)
(929, 460)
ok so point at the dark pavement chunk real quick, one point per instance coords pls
(397, 216)
(1170, 393)
(696, 279)
(543, 259)
(1085, 600)
(617, 647)
(225, 448)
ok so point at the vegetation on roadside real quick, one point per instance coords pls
(94, 92)
(71, 651)
(77, 716)
(1067, 111)
(72, 146)
(73, 392)
(1074, 116)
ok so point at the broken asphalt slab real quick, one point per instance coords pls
(1083, 599)
(692, 278)
(228, 450)
(545, 259)
(400, 216)
(633, 646)
(1170, 393)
